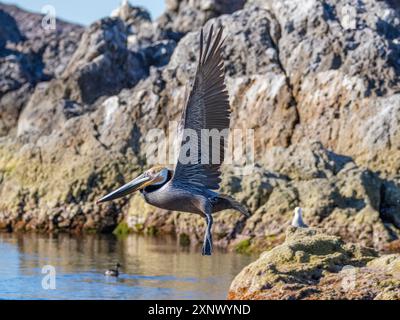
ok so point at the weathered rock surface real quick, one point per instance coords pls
(343, 75)
(183, 16)
(321, 96)
(29, 54)
(313, 265)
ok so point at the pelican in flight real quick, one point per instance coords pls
(191, 186)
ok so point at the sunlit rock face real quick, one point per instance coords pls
(320, 93)
(343, 63)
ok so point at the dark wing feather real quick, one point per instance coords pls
(206, 108)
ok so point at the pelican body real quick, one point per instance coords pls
(191, 186)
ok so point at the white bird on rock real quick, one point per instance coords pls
(298, 219)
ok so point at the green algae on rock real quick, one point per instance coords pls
(122, 229)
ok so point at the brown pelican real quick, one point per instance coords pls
(190, 187)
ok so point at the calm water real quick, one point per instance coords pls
(153, 268)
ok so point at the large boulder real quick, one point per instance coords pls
(313, 265)
(53, 48)
(343, 64)
(29, 55)
(101, 66)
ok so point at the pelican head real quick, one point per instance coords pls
(152, 177)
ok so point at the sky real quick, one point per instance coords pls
(86, 11)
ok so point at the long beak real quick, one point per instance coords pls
(128, 188)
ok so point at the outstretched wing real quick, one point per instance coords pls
(207, 107)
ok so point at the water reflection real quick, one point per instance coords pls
(152, 268)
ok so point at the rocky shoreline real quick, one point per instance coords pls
(311, 265)
(323, 101)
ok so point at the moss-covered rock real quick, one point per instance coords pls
(151, 231)
(122, 229)
(313, 265)
(243, 246)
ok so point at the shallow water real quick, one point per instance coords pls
(152, 268)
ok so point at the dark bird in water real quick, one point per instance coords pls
(113, 272)
(191, 186)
